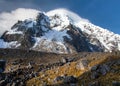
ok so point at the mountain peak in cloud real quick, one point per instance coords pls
(8, 19)
(57, 28)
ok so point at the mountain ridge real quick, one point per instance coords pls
(60, 31)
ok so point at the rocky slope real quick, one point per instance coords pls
(48, 69)
(59, 31)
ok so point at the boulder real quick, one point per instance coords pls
(94, 75)
(64, 60)
(99, 70)
(103, 69)
(82, 64)
(94, 68)
(70, 79)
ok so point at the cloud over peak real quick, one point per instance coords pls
(62, 11)
(8, 19)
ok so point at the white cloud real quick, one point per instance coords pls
(62, 11)
(7, 20)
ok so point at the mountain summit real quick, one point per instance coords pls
(59, 31)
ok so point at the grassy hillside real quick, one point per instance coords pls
(48, 69)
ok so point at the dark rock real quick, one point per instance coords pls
(70, 79)
(115, 83)
(70, 59)
(11, 37)
(103, 69)
(2, 65)
(94, 75)
(27, 41)
(66, 79)
(94, 68)
(118, 62)
(59, 78)
(78, 42)
(99, 69)
(19, 72)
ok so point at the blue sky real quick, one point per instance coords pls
(104, 13)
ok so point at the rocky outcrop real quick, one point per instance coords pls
(99, 70)
(2, 65)
(82, 65)
(66, 80)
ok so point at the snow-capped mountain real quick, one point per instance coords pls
(59, 31)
